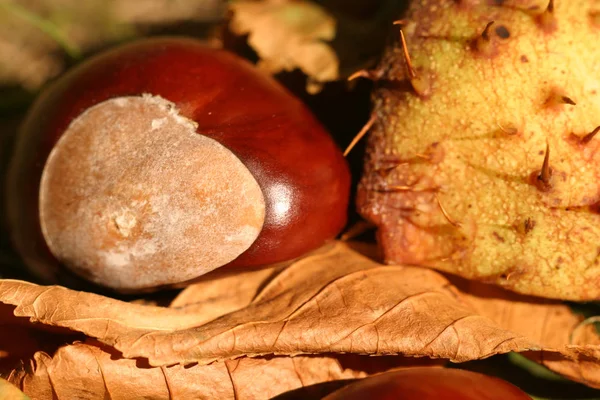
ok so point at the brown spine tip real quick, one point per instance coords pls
(545, 172)
(445, 213)
(483, 44)
(524, 227)
(568, 100)
(374, 74)
(590, 135)
(557, 99)
(420, 83)
(547, 19)
(543, 179)
(485, 35)
(363, 73)
(360, 134)
(528, 225)
(411, 71)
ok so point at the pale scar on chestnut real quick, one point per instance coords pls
(148, 191)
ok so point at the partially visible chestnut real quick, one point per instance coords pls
(425, 383)
(156, 162)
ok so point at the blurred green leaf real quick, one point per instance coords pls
(44, 25)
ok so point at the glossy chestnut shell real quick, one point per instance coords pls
(303, 175)
(425, 383)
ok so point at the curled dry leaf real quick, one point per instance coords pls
(338, 301)
(549, 322)
(212, 298)
(93, 371)
(221, 292)
(288, 35)
(546, 321)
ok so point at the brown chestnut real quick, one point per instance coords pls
(156, 162)
(425, 383)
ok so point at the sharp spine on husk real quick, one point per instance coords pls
(360, 134)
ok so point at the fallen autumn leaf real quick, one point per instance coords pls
(93, 371)
(288, 35)
(338, 301)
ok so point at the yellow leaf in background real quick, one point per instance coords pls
(288, 35)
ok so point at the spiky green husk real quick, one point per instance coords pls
(454, 175)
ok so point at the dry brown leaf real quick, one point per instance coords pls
(221, 292)
(546, 321)
(92, 314)
(339, 301)
(215, 297)
(92, 371)
(549, 322)
(288, 35)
